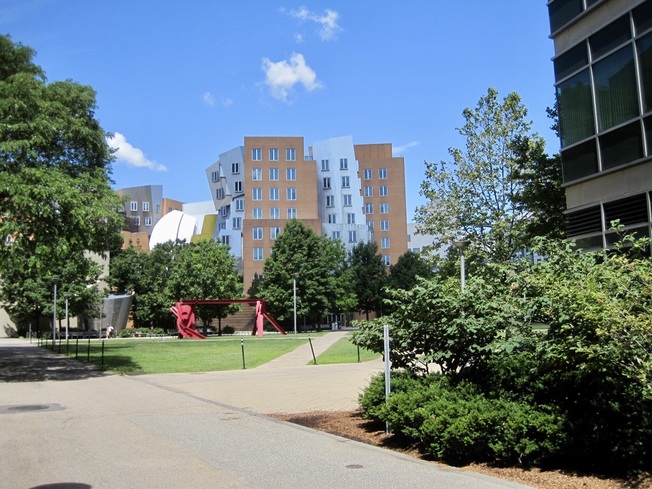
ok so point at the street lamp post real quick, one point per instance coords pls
(54, 312)
(67, 318)
(461, 245)
(294, 300)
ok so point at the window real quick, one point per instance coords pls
(335, 235)
(238, 187)
(256, 154)
(237, 222)
(384, 225)
(345, 182)
(330, 201)
(384, 208)
(290, 174)
(239, 205)
(615, 88)
(291, 193)
(344, 164)
(226, 239)
(324, 165)
(273, 174)
(384, 243)
(370, 225)
(235, 168)
(219, 193)
(215, 176)
(148, 221)
(644, 48)
(257, 193)
(145, 206)
(273, 194)
(350, 218)
(257, 213)
(133, 206)
(137, 220)
(353, 237)
(290, 154)
(368, 208)
(274, 231)
(332, 218)
(222, 226)
(224, 210)
(368, 191)
(386, 260)
(327, 182)
(382, 191)
(347, 200)
(368, 175)
(273, 154)
(258, 233)
(258, 254)
(256, 174)
(575, 108)
(382, 173)
(292, 213)
(274, 213)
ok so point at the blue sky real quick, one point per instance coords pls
(179, 82)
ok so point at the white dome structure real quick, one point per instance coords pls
(172, 226)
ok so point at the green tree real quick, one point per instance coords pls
(410, 265)
(318, 266)
(369, 275)
(474, 196)
(206, 270)
(56, 204)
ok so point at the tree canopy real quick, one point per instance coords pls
(369, 276)
(56, 204)
(474, 196)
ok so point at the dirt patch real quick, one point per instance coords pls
(351, 425)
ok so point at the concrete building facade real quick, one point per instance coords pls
(603, 80)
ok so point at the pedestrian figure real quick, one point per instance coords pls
(109, 330)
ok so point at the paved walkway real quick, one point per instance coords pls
(66, 425)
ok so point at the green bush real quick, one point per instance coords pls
(228, 330)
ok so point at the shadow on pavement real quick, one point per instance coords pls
(35, 364)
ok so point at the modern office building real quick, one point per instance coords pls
(603, 80)
(354, 193)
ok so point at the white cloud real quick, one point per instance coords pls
(130, 155)
(282, 76)
(397, 150)
(328, 22)
(226, 102)
(209, 99)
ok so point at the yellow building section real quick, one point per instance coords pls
(207, 229)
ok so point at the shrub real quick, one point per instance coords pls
(228, 330)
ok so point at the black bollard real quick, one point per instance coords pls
(244, 367)
(358, 353)
(88, 351)
(313, 351)
(102, 361)
(76, 347)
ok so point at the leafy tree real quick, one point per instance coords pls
(474, 195)
(410, 265)
(206, 270)
(56, 204)
(318, 265)
(543, 196)
(369, 275)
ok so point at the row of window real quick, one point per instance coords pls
(274, 231)
(369, 208)
(257, 174)
(133, 206)
(257, 154)
(274, 192)
(344, 164)
(259, 252)
(602, 83)
(136, 220)
(274, 213)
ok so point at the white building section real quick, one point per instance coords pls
(172, 226)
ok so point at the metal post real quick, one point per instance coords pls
(67, 319)
(294, 289)
(244, 367)
(462, 271)
(388, 382)
(313, 351)
(54, 313)
(462, 244)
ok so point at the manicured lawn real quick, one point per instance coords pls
(343, 351)
(171, 355)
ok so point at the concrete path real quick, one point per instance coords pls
(63, 425)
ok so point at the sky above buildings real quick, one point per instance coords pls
(180, 81)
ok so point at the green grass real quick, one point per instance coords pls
(170, 355)
(343, 351)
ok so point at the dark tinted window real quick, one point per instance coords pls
(571, 61)
(621, 146)
(610, 37)
(643, 17)
(562, 12)
(579, 161)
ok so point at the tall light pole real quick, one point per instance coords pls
(461, 245)
(294, 300)
(67, 318)
(54, 311)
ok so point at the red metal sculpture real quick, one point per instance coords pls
(183, 310)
